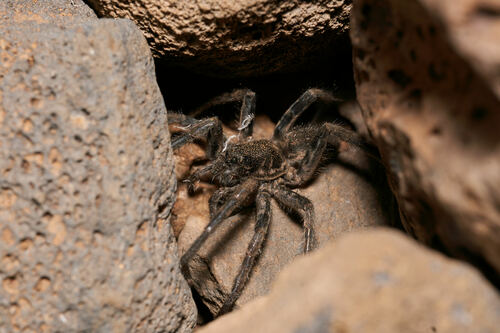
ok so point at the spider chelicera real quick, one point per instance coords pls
(254, 171)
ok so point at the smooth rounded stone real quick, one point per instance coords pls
(86, 184)
(234, 38)
(435, 120)
(371, 281)
(347, 196)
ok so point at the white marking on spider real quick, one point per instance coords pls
(184, 128)
(227, 142)
(246, 122)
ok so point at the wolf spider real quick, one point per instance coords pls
(249, 170)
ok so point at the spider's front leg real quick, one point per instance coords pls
(247, 110)
(192, 129)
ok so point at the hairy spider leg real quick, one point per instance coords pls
(310, 161)
(209, 128)
(225, 98)
(218, 198)
(240, 195)
(298, 107)
(247, 110)
(263, 218)
(301, 205)
(247, 114)
(194, 178)
(336, 132)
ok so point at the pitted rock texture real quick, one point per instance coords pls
(347, 196)
(372, 281)
(473, 29)
(436, 123)
(229, 38)
(86, 184)
(44, 11)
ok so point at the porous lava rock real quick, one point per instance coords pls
(371, 281)
(348, 194)
(234, 38)
(46, 11)
(86, 178)
(435, 119)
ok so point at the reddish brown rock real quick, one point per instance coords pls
(372, 281)
(86, 178)
(238, 38)
(346, 197)
(435, 119)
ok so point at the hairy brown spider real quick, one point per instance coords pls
(249, 170)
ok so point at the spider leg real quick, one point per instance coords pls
(229, 97)
(195, 177)
(247, 114)
(263, 203)
(310, 161)
(247, 110)
(181, 119)
(314, 148)
(239, 196)
(298, 107)
(217, 199)
(209, 128)
(301, 205)
(336, 133)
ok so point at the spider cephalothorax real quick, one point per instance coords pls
(259, 159)
(249, 170)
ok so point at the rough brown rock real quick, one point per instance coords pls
(86, 180)
(473, 30)
(346, 197)
(376, 281)
(238, 38)
(435, 120)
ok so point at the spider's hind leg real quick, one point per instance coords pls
(240, 194)
(301, 205)
(263, 218)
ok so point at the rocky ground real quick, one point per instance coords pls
(92, 223)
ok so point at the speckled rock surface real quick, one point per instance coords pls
(86, 182)
(436, 122)
(372, 281)
(346, 197)
(229, 38)
(44, 11)
(473, 29)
